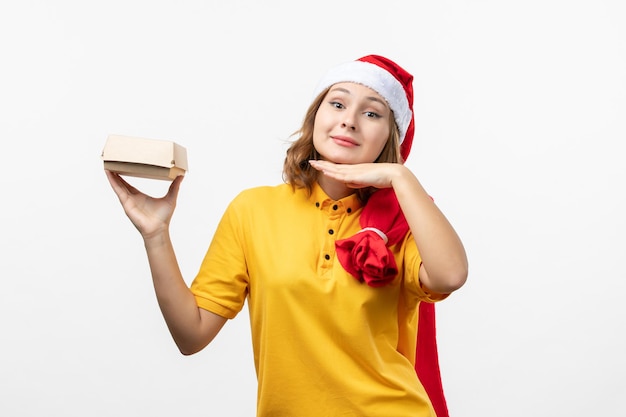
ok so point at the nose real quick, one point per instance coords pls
(348, 121)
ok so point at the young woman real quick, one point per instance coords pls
(334, 263)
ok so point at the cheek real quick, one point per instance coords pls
(376, 153)
(320, 127)
(316, 129)
(321, 120)
(380, 140)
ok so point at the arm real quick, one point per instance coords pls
(444, 262)
(192, 328)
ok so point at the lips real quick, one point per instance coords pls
(344, 141)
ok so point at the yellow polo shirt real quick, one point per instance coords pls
(324, 344)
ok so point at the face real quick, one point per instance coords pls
(351, 125)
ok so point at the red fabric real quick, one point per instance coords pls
(427, 359)
(365, 255)
(368, 258)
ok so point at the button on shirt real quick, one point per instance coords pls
(324, 344)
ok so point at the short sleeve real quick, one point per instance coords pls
(221, 285)
(412, 262)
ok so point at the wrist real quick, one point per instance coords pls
(400, 176)
(157, 239)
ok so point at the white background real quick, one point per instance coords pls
(520, 111)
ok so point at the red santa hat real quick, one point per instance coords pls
(389, 80)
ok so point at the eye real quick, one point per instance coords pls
(372, 115)
(336, 104)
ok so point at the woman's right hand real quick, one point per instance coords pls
(150, 215)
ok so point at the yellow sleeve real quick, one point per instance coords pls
(411, 266)
(221, 285)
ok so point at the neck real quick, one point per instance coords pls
(333, 188)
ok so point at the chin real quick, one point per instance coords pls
(343, 160)
(340, 158)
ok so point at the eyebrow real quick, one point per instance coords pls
(371, 98)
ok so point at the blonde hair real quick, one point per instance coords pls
(296, 168)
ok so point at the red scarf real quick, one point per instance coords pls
(367, 257)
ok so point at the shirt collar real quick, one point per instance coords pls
(322, 201)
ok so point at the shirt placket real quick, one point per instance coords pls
(335, 211)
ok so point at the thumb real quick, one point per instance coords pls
(172, 192)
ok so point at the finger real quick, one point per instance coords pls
(129, 188)
(327, 168)
(116, 183)
(320, 165)
(356, 185)
(339, 173)
(122, 188)
(172, 192)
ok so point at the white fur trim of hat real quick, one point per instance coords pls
(379, 80)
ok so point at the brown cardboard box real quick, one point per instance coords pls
(145, 158)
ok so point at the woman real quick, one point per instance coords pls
(334, 263)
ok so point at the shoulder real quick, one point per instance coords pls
(267, 196)
(263, 206)
(264, 191)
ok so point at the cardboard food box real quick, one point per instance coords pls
(145, 158)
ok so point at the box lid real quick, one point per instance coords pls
(155, 152)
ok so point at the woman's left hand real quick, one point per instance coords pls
(379, 175)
